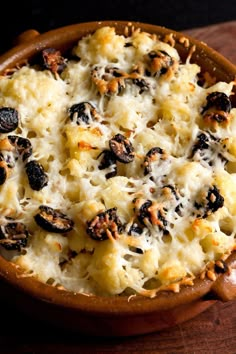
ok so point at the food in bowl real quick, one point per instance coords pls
(117, 167)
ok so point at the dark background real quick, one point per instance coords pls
(44, 15)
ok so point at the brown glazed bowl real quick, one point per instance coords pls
(115, 316)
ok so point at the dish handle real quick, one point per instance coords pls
(224, 288)
(25, 36)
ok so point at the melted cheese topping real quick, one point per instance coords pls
(172, 227)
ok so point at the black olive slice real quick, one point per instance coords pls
(213, 201)
(219, 100)
(13, 236)
(144, 213)
(154, 154)
(169, 188)
(217, 108)
(22, 145)
(147, 213)
(135, 230)
(159, 62)
(104, 225)
(208, 148)
(53, 220)
(36, 175)
(203, 142)
(142, 84)
(172, 190)
(109, 80)
(83, 112)
(108, 159)
(9, 119)
(53, 60)
(122, 148)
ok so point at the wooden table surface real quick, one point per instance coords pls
(211, 332)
